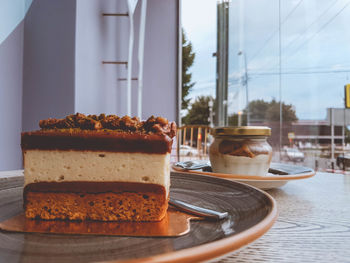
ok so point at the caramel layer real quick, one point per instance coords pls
(96, 141)
(93, 187)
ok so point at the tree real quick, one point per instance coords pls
(257, 109)
(187, 60)
(199, 112)
(273, 112)
(260, 110)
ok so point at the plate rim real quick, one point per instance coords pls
(248, 177)
(219, 247)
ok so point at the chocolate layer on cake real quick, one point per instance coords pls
(103, 140)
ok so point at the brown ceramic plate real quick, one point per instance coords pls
(251, 213)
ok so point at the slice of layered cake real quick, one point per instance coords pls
(98, 167)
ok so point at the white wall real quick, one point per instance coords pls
(95, 83)
(11, 50)
(101, 38)
(160, 76)
(11, 62)
(48, 61)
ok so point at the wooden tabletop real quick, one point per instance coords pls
(313, 224)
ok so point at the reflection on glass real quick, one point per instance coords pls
(287, 65)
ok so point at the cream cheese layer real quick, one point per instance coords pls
(96, 166)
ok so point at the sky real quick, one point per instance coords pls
(315, 54)
(11, 14)
(199, 24)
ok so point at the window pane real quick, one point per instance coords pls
(289, 61)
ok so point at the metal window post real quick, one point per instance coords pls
(245, 83)
(222, 63)
(332, 135)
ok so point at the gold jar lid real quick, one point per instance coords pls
(241, 131)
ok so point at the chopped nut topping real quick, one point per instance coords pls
(153, 125)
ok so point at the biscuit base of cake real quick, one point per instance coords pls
(103, 207)
(148, 205)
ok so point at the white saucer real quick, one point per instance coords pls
(269, 181)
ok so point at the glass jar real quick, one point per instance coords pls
(241, 150)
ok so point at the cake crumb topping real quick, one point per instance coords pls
(79, 121)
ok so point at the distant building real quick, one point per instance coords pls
(316, 132)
